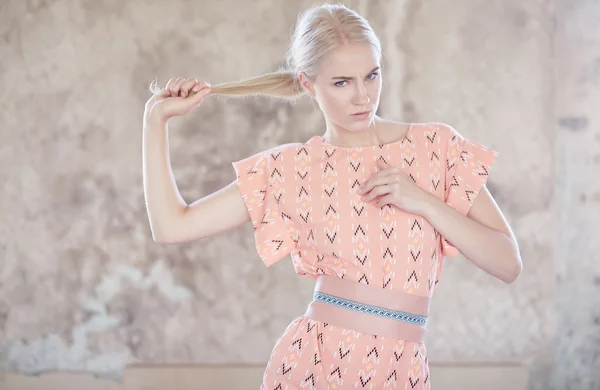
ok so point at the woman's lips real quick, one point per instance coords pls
(362, 115)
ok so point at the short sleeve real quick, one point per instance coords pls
(272, 234)
(468, 166)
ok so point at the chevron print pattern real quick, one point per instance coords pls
(302, 200)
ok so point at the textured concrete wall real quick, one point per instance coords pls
(84, 288)
(577, 116)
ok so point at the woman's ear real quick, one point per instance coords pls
(306, 84)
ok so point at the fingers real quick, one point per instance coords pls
(186, 86)
(170, 85)
(371, 183)
(180, 87)
(200, 86)
(389, 175)
(375, 192)
(174, 86)
(198, 96)
(386, 199)
(176, 89)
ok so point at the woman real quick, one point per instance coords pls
(368, 209)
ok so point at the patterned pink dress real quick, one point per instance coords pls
(302, 201)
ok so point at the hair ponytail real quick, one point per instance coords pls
(281, 84)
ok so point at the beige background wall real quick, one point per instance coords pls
(84, 288)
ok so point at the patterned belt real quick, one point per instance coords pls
(369, 309)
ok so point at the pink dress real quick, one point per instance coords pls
(302, 201)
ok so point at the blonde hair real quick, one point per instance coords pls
(319, 31)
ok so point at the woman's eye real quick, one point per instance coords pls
(374, 74)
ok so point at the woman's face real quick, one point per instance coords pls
(349, 82)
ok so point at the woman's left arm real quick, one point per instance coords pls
(483, 236)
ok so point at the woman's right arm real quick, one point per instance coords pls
(171, 219)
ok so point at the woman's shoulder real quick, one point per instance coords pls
(286, 148)
(435, 132)
(443, 128)
(280, 154)
(399, 130)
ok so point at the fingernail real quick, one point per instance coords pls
(196, 88)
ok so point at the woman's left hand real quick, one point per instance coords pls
(390, 185)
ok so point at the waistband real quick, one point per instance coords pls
(368, 309)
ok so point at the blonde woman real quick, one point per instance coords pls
(368, 209)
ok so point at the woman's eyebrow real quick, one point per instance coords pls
(351, 78)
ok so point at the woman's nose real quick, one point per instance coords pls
(362, 97)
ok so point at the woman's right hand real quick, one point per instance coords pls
(177, 98)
